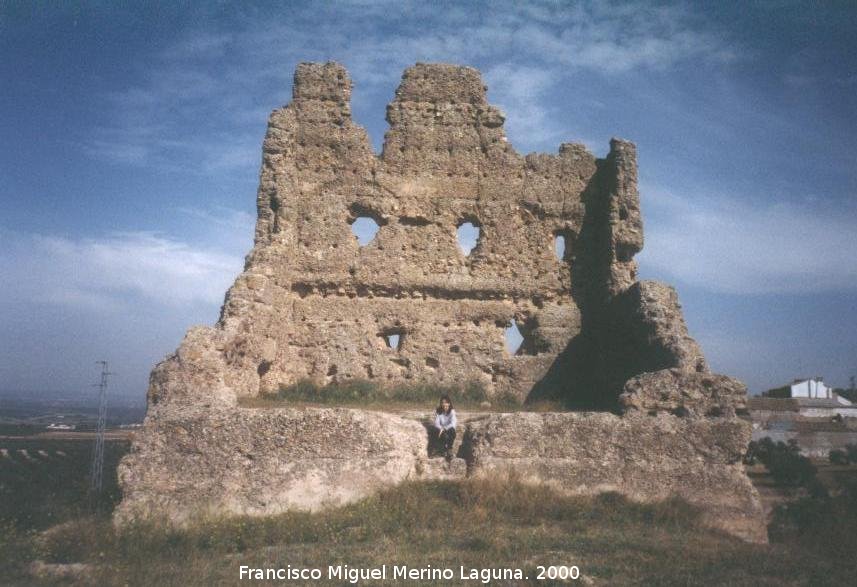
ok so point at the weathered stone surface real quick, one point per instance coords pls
(685, 394)
(441, 469)
(642, 457)
(645, 331)
(313, 303)
(258, 462)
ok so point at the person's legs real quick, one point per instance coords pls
(448, 441)
(436, 443)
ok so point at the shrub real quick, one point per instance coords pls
(819, 523)
(785, 463)
(851, 453)
(759, 450)
(838, 457)
(16, 548)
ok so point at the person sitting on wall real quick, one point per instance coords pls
(444, 426)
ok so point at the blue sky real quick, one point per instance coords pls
(130, 141)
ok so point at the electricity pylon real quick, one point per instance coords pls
(96, 471)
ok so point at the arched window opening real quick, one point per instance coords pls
(468, 237)
(514, 338)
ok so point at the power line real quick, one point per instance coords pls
(96, 470)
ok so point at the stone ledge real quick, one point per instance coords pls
(440, 469)
(263, 462)
(645, 458)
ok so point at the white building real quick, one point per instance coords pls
(56, 426)
(812, 388)
(812, 414)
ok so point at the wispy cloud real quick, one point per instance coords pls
(725, 245)
(237, 221)
(520, 90)
(197, 101)
(121, 270)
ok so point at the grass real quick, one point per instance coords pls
(477, 523)
(368, 395)
(44, 482)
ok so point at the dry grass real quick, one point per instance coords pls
(477, 523)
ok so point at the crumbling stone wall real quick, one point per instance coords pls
(313, 303)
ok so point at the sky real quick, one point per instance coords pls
(130, 145)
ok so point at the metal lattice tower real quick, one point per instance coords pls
(96, 471)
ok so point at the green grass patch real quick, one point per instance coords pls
(44, 482)
(363, 393)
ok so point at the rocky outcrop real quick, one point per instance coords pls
(315, 303)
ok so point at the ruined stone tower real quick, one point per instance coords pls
(314, 303)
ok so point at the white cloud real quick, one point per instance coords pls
(726, 245)
(197, 100)
(237, 221)
(119, 270)
(519, 92)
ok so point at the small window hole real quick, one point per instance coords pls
(364, 228)
(263, 368)
(468, 237)
(559, 247)
(514, 338)
(563, 244)
(393, 341)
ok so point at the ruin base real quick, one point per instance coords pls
(263, 462)
(644, 458)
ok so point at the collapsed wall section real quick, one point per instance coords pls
(265, 462)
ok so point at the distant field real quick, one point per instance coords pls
(476, 523)
(30, 433)
(44, 480)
